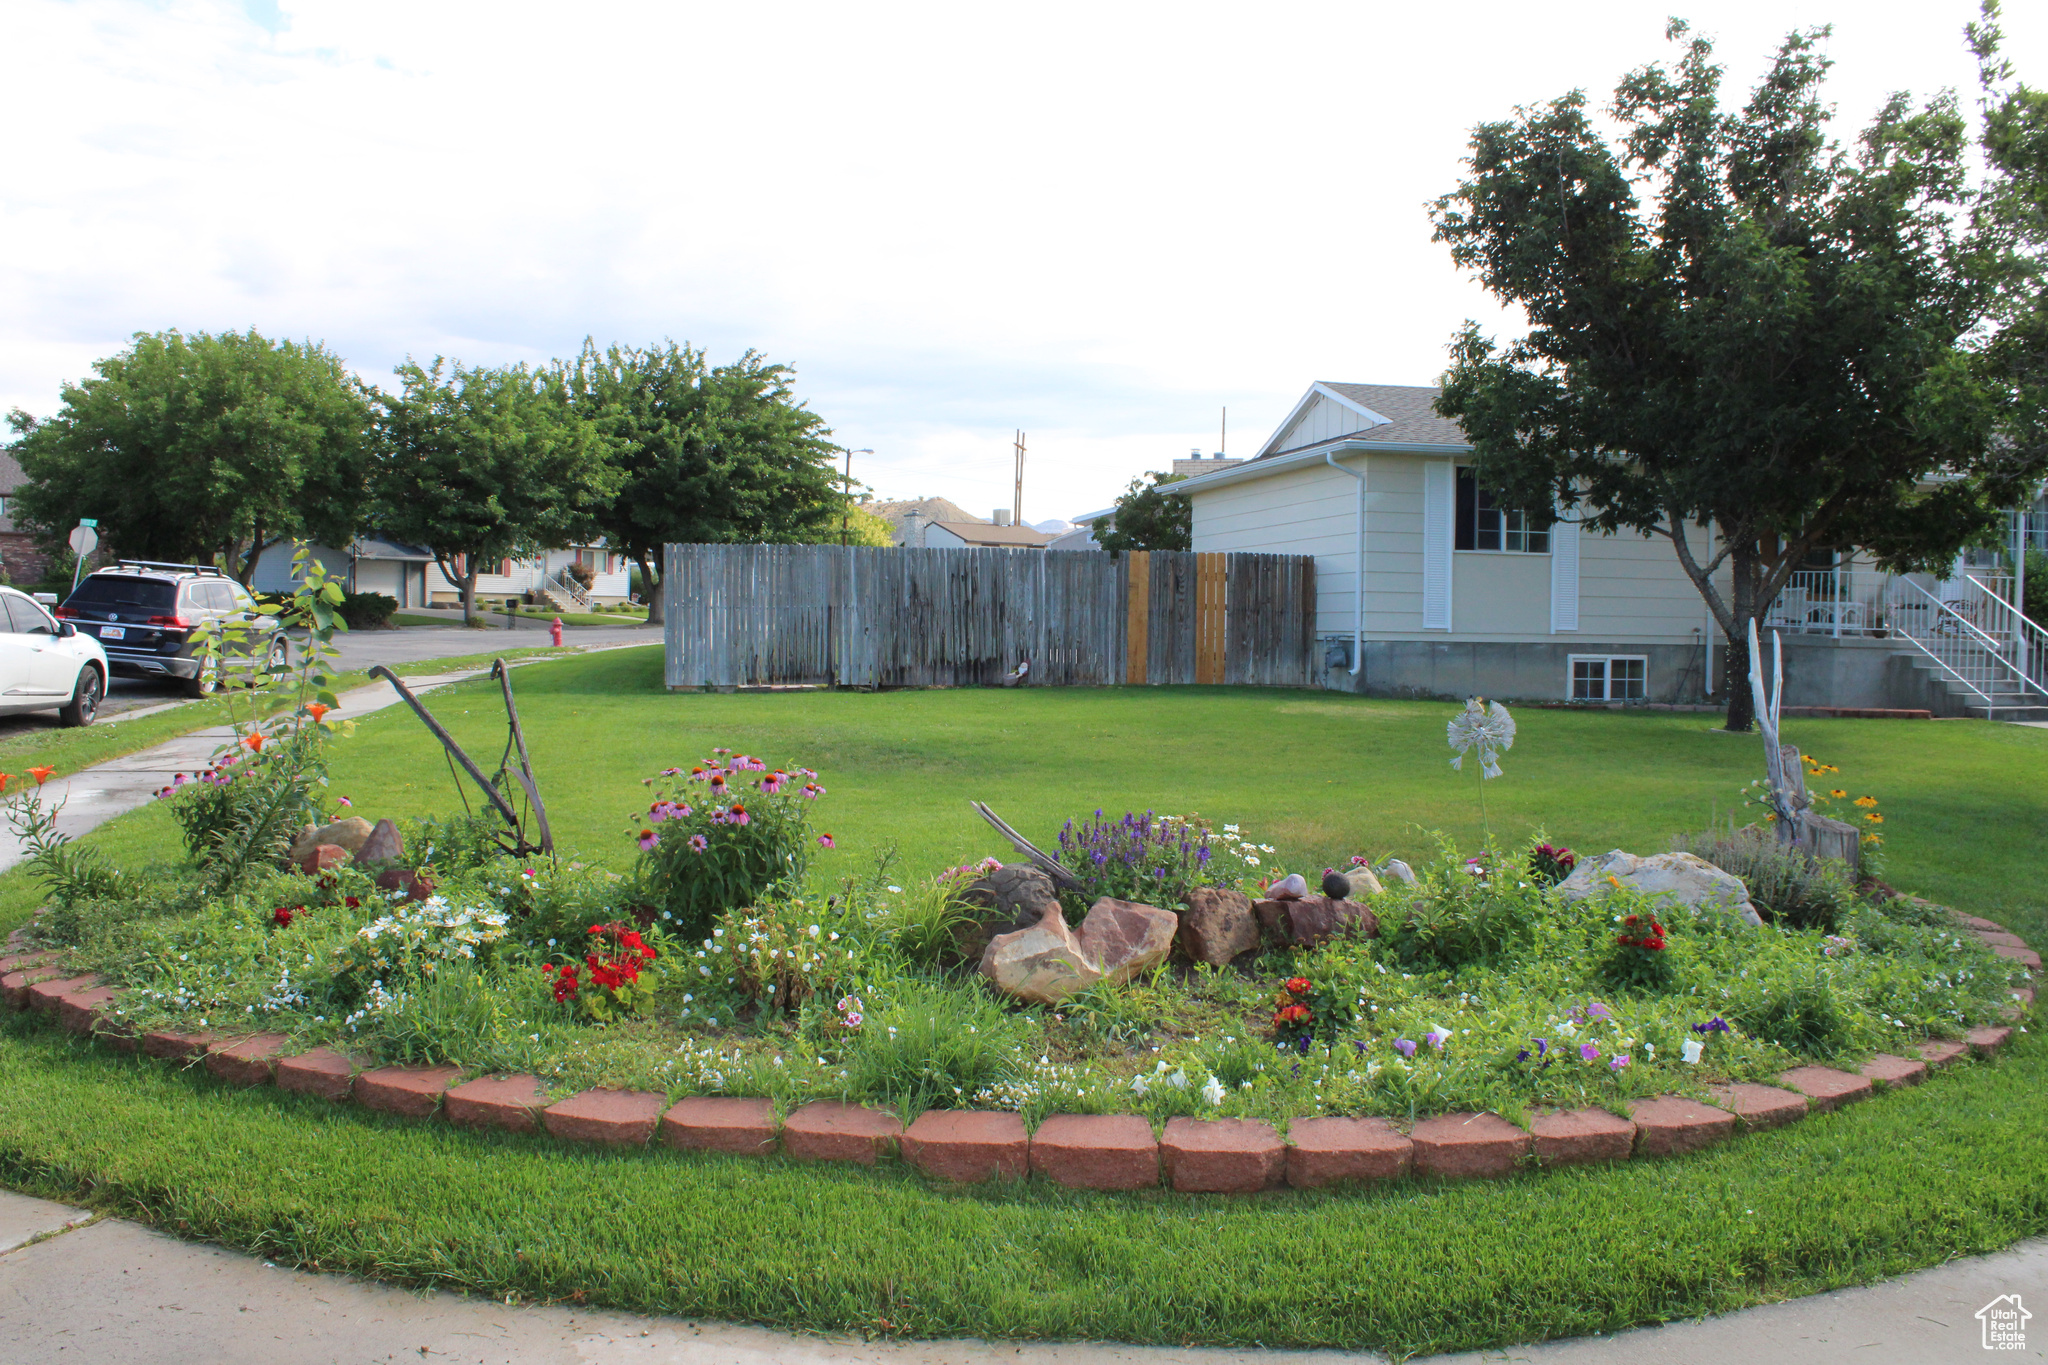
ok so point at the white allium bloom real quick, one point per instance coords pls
(1486, 727)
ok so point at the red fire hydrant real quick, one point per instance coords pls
(555, 632)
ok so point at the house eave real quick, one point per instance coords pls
(1313, 455)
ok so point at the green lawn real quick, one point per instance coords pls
(1954, 1167)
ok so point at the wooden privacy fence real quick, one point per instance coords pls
(788, 615)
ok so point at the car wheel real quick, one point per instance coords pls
(276, 663)
(206, 681)
(85, 699)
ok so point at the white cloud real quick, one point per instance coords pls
(1097, 222)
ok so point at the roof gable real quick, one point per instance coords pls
(1392, 413)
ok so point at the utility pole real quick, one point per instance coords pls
(1017, 502)
(846, 508)
(1223, 435)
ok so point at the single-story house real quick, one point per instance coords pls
(22, 561)
(410, 574)
(981, 535)
(1459, 597)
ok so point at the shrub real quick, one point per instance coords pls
(1788, 886)
(778, 955)
(413, 941)
(1463, 911)
(462, 1016)
(707, 846)
(367, 610)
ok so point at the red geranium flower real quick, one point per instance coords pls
(1299, 985)
(283, 916)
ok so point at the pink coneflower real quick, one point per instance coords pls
(648, 839)
(772, 783)
(813, 790)
(826, 840)
(698, 843)
(670, 772)
(343, 801)
(738, 815)
(718, 784)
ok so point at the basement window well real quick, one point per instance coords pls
(1609, 677)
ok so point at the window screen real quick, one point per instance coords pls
(1484, 525)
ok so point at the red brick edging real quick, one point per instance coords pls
(1084, 1151)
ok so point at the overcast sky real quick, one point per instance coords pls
(1099, 222)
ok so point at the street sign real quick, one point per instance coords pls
(83, 539)
(88, 521)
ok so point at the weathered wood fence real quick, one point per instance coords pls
(781, 615)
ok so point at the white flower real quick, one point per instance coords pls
(1487, 728)
(1213, 1091)
(1250, 859)
(1230, 829)
(1140, 1083)
(1692, 1050)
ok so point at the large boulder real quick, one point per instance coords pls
(385, 845)
(1681, 878)
(1217, 925)
(347, 835)
(1009, 899)
(1043, 964)
(1124, 938)
(1313, 920)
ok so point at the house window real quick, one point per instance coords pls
(1609, 677)
(1482, 525)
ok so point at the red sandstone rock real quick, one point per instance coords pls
(412, 1092)
(251, 1061)
(510, 1102)
(1580, 1137)
(1824, 1087)
(15, 986)
(1315, 920)
(1942, 1052)
(826, 1130)
(1325, 1151)
(172, 1046)
(1217, 925)
(2026, 957)
(711, 1123)
(1096, 1151)
(1889, 1071)
(1122, 939)
(1977, 922)
(321, 858)
(1468, 1145)
(81, 1011)
(611, 1118)
(1222, 1156)
(417, 886)
(1757, 1107)
(43, 995)
(323, 1072)
(1985, 1041)
(1669, 1125)
(967, 1145)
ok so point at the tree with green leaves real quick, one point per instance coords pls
(480, 465)
(707, 454)
(1150, 517)
(200, 449)
(1736, 324)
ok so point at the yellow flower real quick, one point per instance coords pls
(1873, 817)
(1866, 801)
(1838, 793)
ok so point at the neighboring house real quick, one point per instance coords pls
(365, 564)
(908, 517)
(1194, 465)
(1082, 537)
(546, 573)
(410, 574)
(21, 560)
(955, 535)
(1460, 597)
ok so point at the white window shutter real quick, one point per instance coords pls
(1439, 509)
(1564, 576)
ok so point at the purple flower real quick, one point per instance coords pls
(1542, 1046)
(1618, 1063)
(1437, 1037)
(1587, 1052)
(1404, 1047)
(698, 843)
(1523, 1055)
(1598, 1010)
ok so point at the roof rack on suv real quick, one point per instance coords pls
(175, 568)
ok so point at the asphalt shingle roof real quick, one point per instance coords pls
(1408, 407)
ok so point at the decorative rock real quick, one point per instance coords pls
(1222, 1156)
(251, 1061)
(1042, 964)
(968, 1145)
(1985, 1041)
(1999, 938)
(1291, 887)
(1123, 938)
(1580, 1137)
(1825, 1088)
(1398, 871)
(412, 1092)
(509, 1102)
(81, 1011)
(169, 1045)
(322, 1072)
(1363, 882)
(609, 1118)
(1942, 1052)
(1012, 898)
(1468, 1145)
(1888, 1071)
(1973, 921)
(417, 886)
(1670, 1125)
(322, 857)
(1325, 1151)
(826, 1130)
(1217, 925)
(1757, 1107)
(710, 1123)
(1680, 877)
(21, 962)
(1336, 885)
(347, 835)
(15, 986)
(1096, 1152)
(383, 845)
(1314, 920)
(1272, 918)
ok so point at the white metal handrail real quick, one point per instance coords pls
(1960, 648)
(561, 582)
(2028, 650)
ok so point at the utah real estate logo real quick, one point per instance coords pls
(2005, 1323)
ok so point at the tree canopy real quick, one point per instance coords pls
(480, 465)
(705, 453)
(191, 448)
(1735, 323)
(1150, 517)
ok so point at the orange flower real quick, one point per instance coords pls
(317, 710)
(41, 775)
(255, 742)
(5, 778)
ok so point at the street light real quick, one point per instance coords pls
(846, 510)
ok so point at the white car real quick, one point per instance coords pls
(45, 664)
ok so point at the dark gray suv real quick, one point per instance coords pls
(147, 617)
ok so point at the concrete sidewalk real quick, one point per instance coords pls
(112, 1292)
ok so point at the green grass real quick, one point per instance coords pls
(1952, 1168)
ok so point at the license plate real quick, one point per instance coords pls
(113, 632)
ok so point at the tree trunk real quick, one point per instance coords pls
(651, 585)
(1742, 607)
(469, 590)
